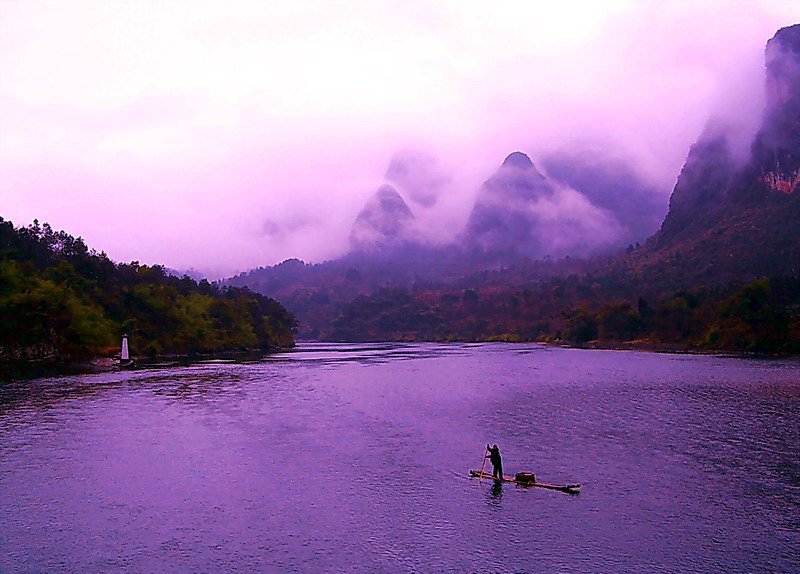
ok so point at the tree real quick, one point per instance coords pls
(618, 322)
(581, 325)
(751, 321)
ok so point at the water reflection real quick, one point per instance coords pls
(497, 490)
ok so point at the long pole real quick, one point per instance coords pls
(483, 466)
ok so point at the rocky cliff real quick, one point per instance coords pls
(732, 220)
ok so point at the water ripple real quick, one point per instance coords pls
(353, 458)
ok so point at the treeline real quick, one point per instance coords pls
(60, 300)
(761, 316)
(316, 293)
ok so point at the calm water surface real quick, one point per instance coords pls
(344, 458)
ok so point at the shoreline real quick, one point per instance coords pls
(635, 345)
(649, 346)
(33, 369)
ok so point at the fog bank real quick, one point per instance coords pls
(227, 137)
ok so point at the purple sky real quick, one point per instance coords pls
(227, 135)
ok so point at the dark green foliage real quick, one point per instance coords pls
(60, 300)
(618, 322)
(581, 325)
(390, 314)
(318, 293)
(753, 319)
(677, 318)
(763, 316)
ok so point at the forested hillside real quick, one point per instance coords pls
(762, 316)
(317, 293)
(60, 300)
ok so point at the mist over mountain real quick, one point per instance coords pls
(384, 222)
(534, 256)
(731, 220)
(702, 185)
(586, 206)
(580, 208)
(300, 112)
(505, 218)
(418, 175)
(776, 150)
(611, 184)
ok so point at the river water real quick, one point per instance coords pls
(355, 458)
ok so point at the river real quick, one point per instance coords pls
(355, 458)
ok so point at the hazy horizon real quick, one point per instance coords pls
(223, 138)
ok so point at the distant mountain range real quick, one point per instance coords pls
(585, 206)
(552, 235)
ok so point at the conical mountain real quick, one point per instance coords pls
(385, 221)
(503, 222)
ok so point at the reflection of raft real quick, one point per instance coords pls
(526, 479)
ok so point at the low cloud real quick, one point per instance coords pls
(231, 138)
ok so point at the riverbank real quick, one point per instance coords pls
(46, 368)
(651, 347)
(640, 345)
(32, 369)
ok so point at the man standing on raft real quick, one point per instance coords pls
(497, 462)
